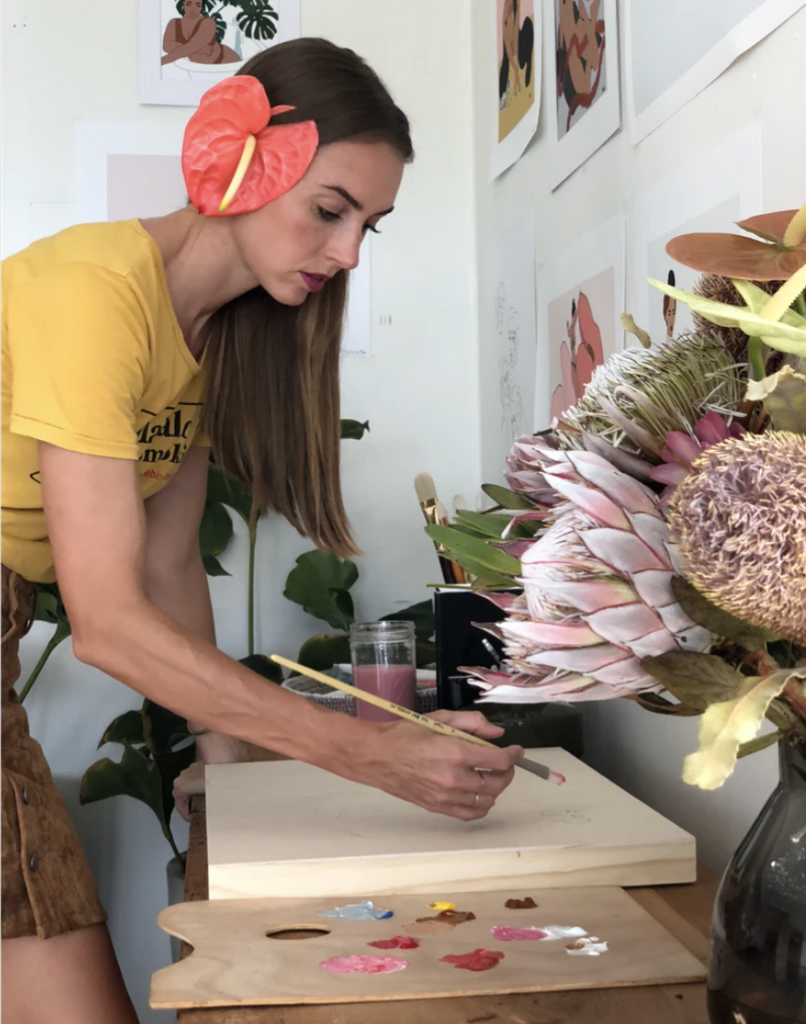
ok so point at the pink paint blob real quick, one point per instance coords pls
(397, 683)
(504, 934)
(363, 965)
(556, 778)
(478, 960)
(398, 942)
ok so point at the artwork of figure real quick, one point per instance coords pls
(669, 310)
(194, 36)
(516, 57)
(580, 354)
(513, 423)
(580, 67)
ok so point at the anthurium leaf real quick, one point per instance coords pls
(215, 531)
(421, 614)
(213, 567)
(126, 728)
(784, 397)
(353, 430)
(506, 498)
(221, 488)
(319, 583)
(49, 604)
(324, 651)
(660, 706)
(263, 666)
(134, 775)
(698, 680)
(726, 725)
(460, 544)
(723, 624)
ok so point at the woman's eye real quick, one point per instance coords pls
(328, 215)
(372, 228)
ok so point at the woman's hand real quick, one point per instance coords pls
(212, 748)
(439, 773)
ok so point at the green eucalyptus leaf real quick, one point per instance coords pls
(491, 525)
(698, 680)
(352, 430)
(506, 498)
(263, 666)
(705, 613)
(215, 531)
(462, 545)
(319, 583)
(324, 651)
(660, 706)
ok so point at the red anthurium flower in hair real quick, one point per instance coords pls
(233, 160)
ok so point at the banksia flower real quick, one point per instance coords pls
(639, 395)
(597, 594)
(740, 518)
(722, 289)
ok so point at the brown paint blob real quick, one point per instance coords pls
(445, 920)
(525, 904)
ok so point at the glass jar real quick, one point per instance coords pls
(383, 657)
(758, 937)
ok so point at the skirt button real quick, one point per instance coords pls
(25, 796)
(34, 862)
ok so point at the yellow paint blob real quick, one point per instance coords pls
(442, 906)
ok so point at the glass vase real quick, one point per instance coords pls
(758, 934)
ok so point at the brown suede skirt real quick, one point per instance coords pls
(48, 888)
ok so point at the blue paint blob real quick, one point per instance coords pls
(357, 912)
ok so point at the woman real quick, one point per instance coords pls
(128, 349)
(517, 50)
(194, 37)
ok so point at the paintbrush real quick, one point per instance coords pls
(541, 770)
(435, 516)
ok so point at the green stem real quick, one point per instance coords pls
(755, 353)
(251, 603)
(170, 837)
(800, 304)
(61, 633)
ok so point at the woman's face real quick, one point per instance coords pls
(193, 8)
(670, 315)
(294, 244)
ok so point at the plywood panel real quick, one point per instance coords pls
(288, 829)
(234, 963)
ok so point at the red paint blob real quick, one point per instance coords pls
(398, 942)
(478, 960)
(363, 965)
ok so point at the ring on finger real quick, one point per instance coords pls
(480, 774)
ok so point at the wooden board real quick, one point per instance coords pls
(280, 829)
(235, 963)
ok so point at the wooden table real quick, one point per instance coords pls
(685, 910)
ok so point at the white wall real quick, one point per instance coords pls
(640, 751)
(418, 389)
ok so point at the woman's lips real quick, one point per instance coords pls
(314, 282)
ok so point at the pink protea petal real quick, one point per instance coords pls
(682, 446)
(597, 691)
(654, 644)
(675, 619)
(669, 473)
(526, 479)
(596, 504)
(653, 531)
(654, 587)
(624, 624)
(624, 672)
(628, 494)
(623, 551)
(736, 430)
(589, 595)
(588, 660)
(512, 604)
(516, 548)
(524, 517)
(488, 677)
(551, 633)
(697, 638)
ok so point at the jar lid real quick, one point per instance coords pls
(387, 631)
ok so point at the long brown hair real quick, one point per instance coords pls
(273, 410)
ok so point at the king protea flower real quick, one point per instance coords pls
(740, 517)
(597, 593)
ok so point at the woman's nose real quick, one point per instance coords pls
(348, 249)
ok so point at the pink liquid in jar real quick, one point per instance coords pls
(397, 683)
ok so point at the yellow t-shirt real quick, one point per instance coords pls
(93, 361)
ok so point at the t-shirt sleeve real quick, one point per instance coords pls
(79, 345)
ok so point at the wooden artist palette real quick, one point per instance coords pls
(235, 963)
(284, 828)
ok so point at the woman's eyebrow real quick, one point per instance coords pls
(353, 201)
